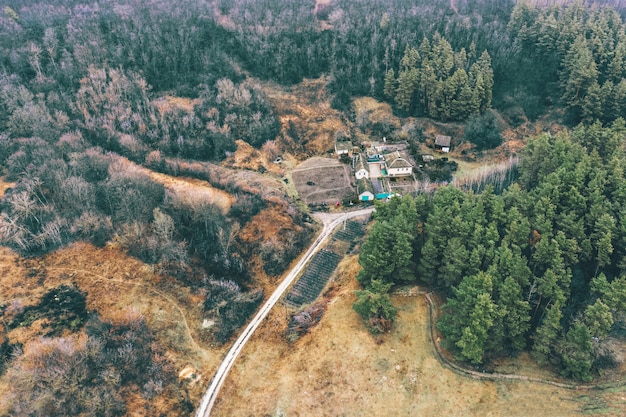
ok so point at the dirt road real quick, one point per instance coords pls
(330, 221)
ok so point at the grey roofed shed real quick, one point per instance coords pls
(443, 141)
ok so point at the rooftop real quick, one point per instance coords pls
(395, 160)
(361, 164)
(443, 141)
(364, 185)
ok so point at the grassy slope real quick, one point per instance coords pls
(340, 370)
(113, 282)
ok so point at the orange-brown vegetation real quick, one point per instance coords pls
(250, 158)
(338, 368)
(308, 123)
(192, 190)
(270, 227)
(168, 103)
(114, 282)
(371, 112)
(187, 189)
(4, 186)
(265, 226)
(267, 187)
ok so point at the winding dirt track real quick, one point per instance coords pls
(96, 277)
(330, 221)
(447, 363)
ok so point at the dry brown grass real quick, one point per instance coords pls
(187, 189)
(168, 103)
(308, 123)
(271, 225)
(113, 283)
(4, 186)
(264, 227)
(339, 369)
(268, 187)
(192, 190)
(373, 111)
(250, 158)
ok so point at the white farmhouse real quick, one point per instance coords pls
(361, 169)
(397, 166)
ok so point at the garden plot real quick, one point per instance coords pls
(311, 284)
(351, 232)
(402, 185)
(323, 180)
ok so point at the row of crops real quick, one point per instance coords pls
(323, 264)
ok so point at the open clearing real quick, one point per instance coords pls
(323, 180)
(191, 190)
(115, 282)
(339, 369)
(308, 123)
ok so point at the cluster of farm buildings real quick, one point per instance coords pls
(376, 163)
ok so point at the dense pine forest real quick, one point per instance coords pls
(541, 266)
(86, 114)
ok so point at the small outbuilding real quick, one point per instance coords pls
(442, 143)
(343, 148)
(379, 147)
(373, 155)
(364, 189)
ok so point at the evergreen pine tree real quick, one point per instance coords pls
(578, 74)
(468, 317)
(390, 84)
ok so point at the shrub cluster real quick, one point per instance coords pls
(483, 131)
(92, 375)
(229, 306)
(302, 321)
(63, 308)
